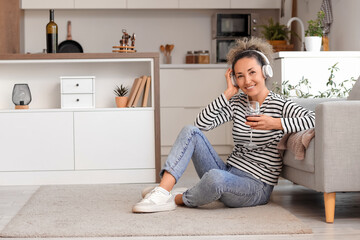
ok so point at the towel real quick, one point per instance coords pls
(328, 19)
(297, 143)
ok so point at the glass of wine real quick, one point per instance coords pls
(252, 110)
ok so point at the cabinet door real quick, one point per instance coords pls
(114, 139)
(47, 4)
(104, 4)
(174, 119)
(190, 87)
(152, 4)
(204, 4)
(36, 141)
(262, 4)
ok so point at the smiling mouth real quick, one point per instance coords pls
(250, 87)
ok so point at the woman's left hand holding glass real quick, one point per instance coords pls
(264, 122)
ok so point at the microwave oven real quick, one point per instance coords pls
(234, 25)
(220, 48)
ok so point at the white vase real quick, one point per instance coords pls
(313, 44)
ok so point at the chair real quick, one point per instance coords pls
(332, 160)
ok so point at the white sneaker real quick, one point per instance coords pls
(174, 192)
(158, 200)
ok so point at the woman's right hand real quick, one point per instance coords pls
(231, 90)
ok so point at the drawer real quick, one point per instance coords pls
(77, 101)
(77, 85)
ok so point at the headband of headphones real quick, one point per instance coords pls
(260, 53)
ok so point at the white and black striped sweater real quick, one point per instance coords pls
(263, 162)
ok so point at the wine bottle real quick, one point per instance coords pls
(51, 35)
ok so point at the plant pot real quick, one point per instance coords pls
(281, 45)
(121, 101)
(313, 43)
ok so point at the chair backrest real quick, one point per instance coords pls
(311, 103)
(355, 91)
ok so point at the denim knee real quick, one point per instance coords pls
(214, 180)
(189, 129)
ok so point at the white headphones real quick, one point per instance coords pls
(266, 69)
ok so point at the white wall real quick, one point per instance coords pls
(345, 31)
(99, 30)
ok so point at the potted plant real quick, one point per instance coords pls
(314, 33)
(277, 35)
(121, 98)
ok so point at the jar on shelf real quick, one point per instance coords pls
(204, 57)
(196, 56)
(190, 57)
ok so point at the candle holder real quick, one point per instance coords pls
(21, 96)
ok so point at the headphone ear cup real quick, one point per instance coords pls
(267, 71)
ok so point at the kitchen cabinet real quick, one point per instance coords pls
(204, 4)
(47, 4)
(184, 93)
(156, 4)
(150, 4)
(314, 66)
(49, 145)
(103, 4)
(256, 4)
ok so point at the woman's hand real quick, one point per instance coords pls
(264, 122)
(231, 90)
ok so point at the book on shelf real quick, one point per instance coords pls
(140, 91)
(146, 92)
(140, 88)
(133, 91)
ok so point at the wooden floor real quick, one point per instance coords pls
(306, 204)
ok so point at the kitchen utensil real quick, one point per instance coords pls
(162, 49)
(69, 45)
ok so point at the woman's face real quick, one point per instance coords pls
(249, 77)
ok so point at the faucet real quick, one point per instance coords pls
(302, 29)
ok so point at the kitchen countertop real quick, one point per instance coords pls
(194, 66)
(306, 54)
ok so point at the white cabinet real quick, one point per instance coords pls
(49, 145)
(41, 141)
(184, 93)
(103, 4)
(204, 4)
(47, 4)
(293, 66)
(256, 4)
(150, 4)
(114, 140)
(156, 4)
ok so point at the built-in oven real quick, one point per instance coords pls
(227, 27)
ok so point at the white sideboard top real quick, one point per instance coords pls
(321, 54)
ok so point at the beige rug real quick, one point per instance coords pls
(105, 211)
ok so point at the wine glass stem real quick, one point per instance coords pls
(250, 135)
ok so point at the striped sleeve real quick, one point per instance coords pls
(296, 118)
(216, 113)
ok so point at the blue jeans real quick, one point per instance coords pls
(218, 181)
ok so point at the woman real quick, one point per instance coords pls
(250, 174)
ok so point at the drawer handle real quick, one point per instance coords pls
(77, 84)
(78, 100)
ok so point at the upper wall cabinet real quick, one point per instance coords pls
(152, 4)
(103, 4)
(201, 4)
(47, 4)
(264, 4)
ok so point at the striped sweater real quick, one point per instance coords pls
(264, 162)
